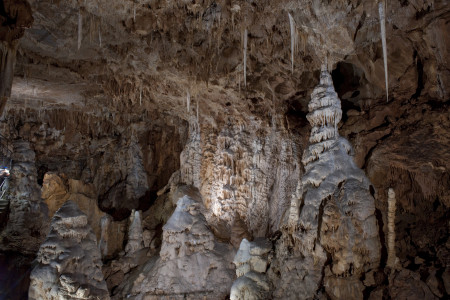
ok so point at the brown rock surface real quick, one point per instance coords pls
(112, 116)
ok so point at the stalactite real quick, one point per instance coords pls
(293, 39)
(80, 28)
(392, 259)
(188, 101)
(197, 114)
(383, 42)
(245, 57)
(100, 34)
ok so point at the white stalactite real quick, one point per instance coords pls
(245, 57)
(188, 101)
(383, 42)
(293, 39)
(197, 111)
(80, 29)
(392, 258)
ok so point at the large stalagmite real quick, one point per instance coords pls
(191, 264)
(68, 262)
(334, 237)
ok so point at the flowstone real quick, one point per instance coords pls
(330, 238)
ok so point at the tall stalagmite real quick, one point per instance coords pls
(68, 262)
(331, 235)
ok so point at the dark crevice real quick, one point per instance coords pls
(360, 24)
(321, 208)
(383, 257)
(420, 79)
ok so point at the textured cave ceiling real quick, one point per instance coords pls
(98, 83)
(138, 60)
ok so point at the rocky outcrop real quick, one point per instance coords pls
(245, 172)
(56, 190)
(251, 262)
(15, 16)
(334, 232)
(27, 221)
(191, 264)
(68, 262)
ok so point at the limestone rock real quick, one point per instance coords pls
(27, 220)
(336, 211)
(68, 262)
(57, 189)
(407, 285)
(251, 263)
(135, 234)
(191, 264)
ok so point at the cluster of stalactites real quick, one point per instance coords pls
(324, 110)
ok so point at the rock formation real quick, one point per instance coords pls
(251, 264)
(135, 235)
(335, 236)
(392, 258)
(97, 113)
(27, 221)
(190, 264)
(56, 190)
(68, 262)
(15, 16)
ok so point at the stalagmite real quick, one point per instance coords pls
(251, 264)
(293, 39)
(135, 235)
(383, 41)
(391, 262)
(334, 211)
(68, 264)
(245, 57)
(80, 28)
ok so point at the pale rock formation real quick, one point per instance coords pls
(27, 220)
(392, 258)
(57, 189)
(68, 262)
(135, 235)
(336, 213)
(191, 264)
(251, 263)
(246, 172)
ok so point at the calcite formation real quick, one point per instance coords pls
(135, 235)
(334, 216)
(245, 173)
(27, 221)
(392, 258)
(251, 262)
(68, 262)
(15, 16)
(191, 264)
(56, 190)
